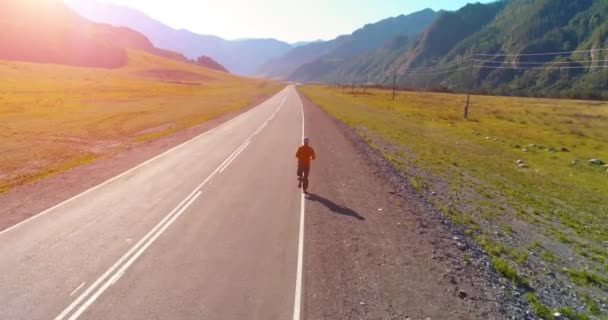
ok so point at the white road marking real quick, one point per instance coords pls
(115, 278)
(221, 167)
(141, 246)
(234, 157)
(76, 290)
(277, 111)
(238, 151)
(260, 129)
(297, 305)
(123, 269)
(131, 170)
(97, 282)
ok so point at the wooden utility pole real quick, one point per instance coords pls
(466, 106)
(395, 82)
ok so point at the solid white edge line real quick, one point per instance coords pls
(297, 305)
(125, 266)
(101, 279)
(76, 290)
(136, 167)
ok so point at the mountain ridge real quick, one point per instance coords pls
(444, 49)
(63, 37)
(368, 37)
(239, 56)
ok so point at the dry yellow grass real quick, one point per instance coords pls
(53, 117)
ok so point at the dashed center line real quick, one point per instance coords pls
(79, 287)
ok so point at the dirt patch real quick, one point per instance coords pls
(375, 249)
(184, 83)
(84, 145)
(162, 127)
(30, 199)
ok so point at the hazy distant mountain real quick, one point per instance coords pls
(303, 43)
(321, 57)
(50, 32)
(239, 56)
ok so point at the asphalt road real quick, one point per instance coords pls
(211, 229)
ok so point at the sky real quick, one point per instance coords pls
(286, 20)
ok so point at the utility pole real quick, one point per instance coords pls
(466, 106)
(395, 82)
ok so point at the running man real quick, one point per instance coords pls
(305, 154)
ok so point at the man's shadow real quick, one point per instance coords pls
(334, 207)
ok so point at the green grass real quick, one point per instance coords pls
(548, 256)
(559, 200)
(587, 278)
(501, 266)
(506, 229)
(538, 307)
(54, 117)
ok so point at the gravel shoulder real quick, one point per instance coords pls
(374, 249)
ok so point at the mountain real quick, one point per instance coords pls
(208, 62)
(243, 56)
(503, 34)
(310, 61)
(49, 32)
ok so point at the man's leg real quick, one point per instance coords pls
(305, 174)
(300, 173)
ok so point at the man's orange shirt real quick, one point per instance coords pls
(305, 154)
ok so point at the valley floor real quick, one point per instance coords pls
(373, 248)
(414, 213)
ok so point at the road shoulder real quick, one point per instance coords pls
(374, 249)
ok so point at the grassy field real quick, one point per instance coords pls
(516, 177)
(53, 117)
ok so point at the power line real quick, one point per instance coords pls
(545, 62)
(511, 65)
(432, 73)
(439, 69)
(537, 54)
(538, 68)
(441, 66)
(534, 66)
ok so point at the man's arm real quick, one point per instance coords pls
(312, 153)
